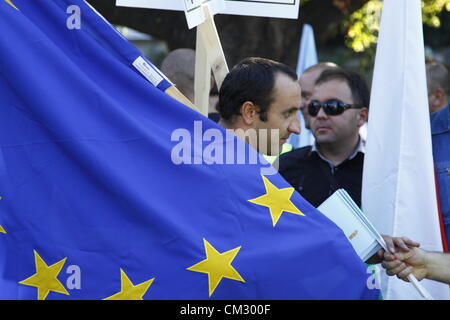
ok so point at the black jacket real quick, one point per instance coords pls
(316, 180)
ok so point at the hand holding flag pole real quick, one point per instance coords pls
(412, 279)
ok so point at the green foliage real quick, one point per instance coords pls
(363, 25)
(431, 9)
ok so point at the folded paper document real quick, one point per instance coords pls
(342, 210)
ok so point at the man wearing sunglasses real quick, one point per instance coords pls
(259, 100)
(337, 109)
(307, 82)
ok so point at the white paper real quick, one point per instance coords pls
(194, 12)
(342, 210)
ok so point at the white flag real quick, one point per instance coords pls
(399, 194)
(307, 57)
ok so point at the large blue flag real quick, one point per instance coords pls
(107, 191)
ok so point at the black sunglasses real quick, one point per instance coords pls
(330, 107)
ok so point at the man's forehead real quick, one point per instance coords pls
(284, 83)
(333, 89)
(308, 79)
(287, 93)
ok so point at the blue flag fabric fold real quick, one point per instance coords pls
(95, 203)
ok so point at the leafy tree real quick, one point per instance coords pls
(362, 25)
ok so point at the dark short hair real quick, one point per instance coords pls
(356, 83)
(252, 79)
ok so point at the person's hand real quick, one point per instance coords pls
(402, 264)
(394, 244)
(402, 243)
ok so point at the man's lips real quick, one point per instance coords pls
(322, 129)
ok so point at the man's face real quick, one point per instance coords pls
(307, 81)
(340, 129)
(282, 115)
(437, 99)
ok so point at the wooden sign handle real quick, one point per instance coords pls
(209, 56)
(202, 82)
(211, 42)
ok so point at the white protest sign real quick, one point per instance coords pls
(261, 8)
(194, 12)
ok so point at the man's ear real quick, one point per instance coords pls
(363, 116)
(249, 112)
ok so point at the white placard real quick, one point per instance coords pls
(261, 8)
(194, 12)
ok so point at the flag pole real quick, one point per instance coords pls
(202, 78)
(173, 92)
(423, 292)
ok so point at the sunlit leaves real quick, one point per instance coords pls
(362, 26)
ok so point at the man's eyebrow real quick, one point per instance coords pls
(291, 109)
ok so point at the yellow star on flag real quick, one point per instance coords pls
(45, 278)
(129, 291)
(2, 230)
(277, 200)
(217, 266)
(12, 4)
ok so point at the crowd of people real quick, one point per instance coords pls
(262, 94)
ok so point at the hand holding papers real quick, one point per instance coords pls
(365, 239)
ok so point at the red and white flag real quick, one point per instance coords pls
(399, 194)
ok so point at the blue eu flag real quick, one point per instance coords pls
(107, 192)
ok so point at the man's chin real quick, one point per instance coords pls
(323, 136)
(320, 139)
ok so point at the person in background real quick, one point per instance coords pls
(438, 83)
(179, 67)
(307, 81)
(337, 109)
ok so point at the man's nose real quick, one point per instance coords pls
(294, 126)
(321, 114)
